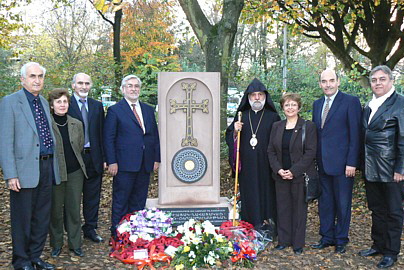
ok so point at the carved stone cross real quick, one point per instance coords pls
(189, 106)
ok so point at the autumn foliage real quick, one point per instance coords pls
(146, 37)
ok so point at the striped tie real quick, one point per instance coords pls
(325, 113)
(137, 116)
(84, 114)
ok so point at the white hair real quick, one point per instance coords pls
(29, 64)
(129, 77)
(81, 73)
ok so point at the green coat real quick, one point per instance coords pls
(76, 135)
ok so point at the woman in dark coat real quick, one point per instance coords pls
(289, 161)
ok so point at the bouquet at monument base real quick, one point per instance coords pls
(146, 238)
(143, 237)
(203, 247)
(247, 242)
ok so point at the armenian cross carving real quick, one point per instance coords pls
(189, 106)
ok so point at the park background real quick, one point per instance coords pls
(285, 44)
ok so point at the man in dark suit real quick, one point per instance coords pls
(27, 146)
(337, 117)
(132, 150)
(383, 132)
(91, 113)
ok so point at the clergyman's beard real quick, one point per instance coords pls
(257, 105)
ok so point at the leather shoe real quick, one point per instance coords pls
(56, 252)
(39, 264)
(281, 247)
(340, 249)
(94, 237)
(368, 252)
(26, 267)
(298, 251)
(386, 262)
(321, 245)
(78, 252)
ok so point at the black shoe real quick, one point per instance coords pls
(386, 262)
(340, 249)
(298, 251)
(321, 245)
(39, 264)
(113, 231)
(281, 247)
(94, 237)
(56, 252)
(27, 267)
(77, 252)
(368, 252)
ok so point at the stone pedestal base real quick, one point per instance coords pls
(153, 202)
(215, 213)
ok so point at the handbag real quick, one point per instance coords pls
(312, 184)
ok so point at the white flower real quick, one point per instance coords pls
(149, 215)
(209, 227)
(124, 227)
(196, 240)
(198, 229)
(133, 238)
(209, 259)
(219, 238)
(191, 222)
(189, 234)
(170, 250)
(192, 254)
(180, 229)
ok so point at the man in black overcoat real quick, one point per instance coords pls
(257, 188)
(91, 113)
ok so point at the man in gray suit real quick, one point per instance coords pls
(29, 167)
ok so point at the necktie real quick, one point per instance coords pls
(84, 114)
(325, 112)
(42, 124)
(137, 116)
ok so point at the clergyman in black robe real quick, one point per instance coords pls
(257, 188)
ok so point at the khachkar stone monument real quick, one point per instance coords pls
(189, 126)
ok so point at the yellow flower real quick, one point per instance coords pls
(179, 267)
(186, 249)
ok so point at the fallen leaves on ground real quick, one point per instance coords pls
(96, 255)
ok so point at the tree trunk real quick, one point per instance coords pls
(117, 49)
(216, 41)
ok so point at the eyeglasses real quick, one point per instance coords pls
(129, 86)
(289, 105)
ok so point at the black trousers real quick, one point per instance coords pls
(91, 196)
(385, 202)
(30, 217)
(292, 213)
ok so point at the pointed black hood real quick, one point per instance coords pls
(256, 86)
